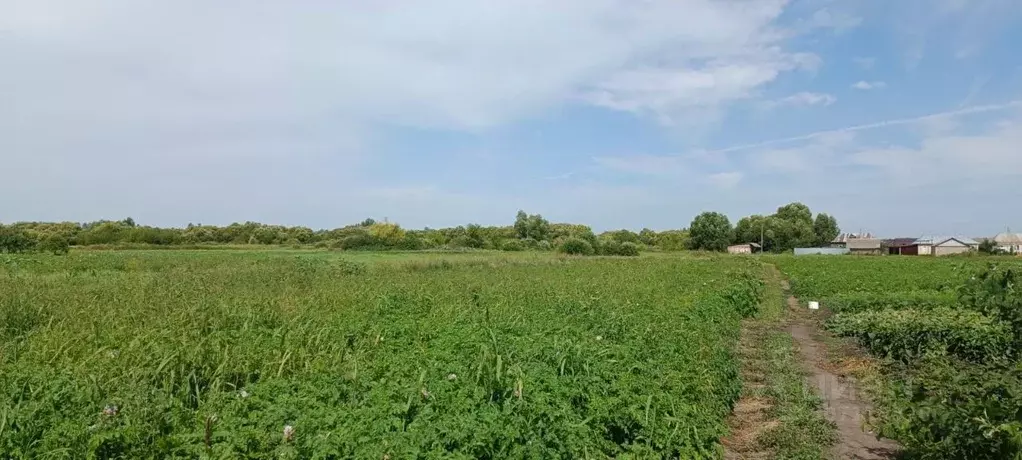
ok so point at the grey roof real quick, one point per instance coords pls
(1008, 238)
(863, 243)
(935, 240)
(845, 237)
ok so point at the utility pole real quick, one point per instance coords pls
(762, 228)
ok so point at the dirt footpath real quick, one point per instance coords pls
(841, 401)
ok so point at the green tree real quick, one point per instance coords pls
(14, 239)
(795, 212)
(826, 229)
(711, 231)
(531, 226)
(55, 243)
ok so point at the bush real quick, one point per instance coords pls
(513, 245)
(907, 335)
(575, 246)
(56, 244)
(915, 300)
(945, 408)
(610, 247)
(356, 241)
(14, 240)
(544, 245)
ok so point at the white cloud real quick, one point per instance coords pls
(868, 85)
(233, 99)
(806, 99)
(725, 180)
(865, 63)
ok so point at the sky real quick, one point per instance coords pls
(900, 118)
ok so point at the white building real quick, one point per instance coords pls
(945, 245)
(1009, 242)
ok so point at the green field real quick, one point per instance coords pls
(948, 334)
(139, 354)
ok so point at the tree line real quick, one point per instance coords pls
(709, 231)
(792, 226)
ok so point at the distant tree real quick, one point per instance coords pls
(367, 223)
(55, 243)
(531, 226)
(576, 246)
(711, 231)
(129, 222)
(14, 239)
(648, 237)
(673, 240)
(387, 234)
(826, 229)
(989, 246)
(752, 229)
(795, 212)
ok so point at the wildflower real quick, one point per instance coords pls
(425, 393)
(599, 337)
(289, 433)
(452, 377)
(244, 394)
(110, 410)
(113, 353)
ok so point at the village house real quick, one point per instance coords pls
(747, 248)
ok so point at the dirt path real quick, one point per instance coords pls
(841, 400)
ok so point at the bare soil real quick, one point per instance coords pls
(842, 402)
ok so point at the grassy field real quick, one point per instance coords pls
(947, 333)
(305, 354)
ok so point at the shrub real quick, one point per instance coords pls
(544, 245)
(910, 334)
(56, 244)
(575, 246)
(14, 240)
(863, 301)
(628, 249)
(945, 408)
(513, 245)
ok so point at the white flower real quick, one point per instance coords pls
(452, 377)
(113, 353)
(289, 433)
(244, 394)
(599, 337)
(110, 410)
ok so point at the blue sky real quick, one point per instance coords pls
(902, 119)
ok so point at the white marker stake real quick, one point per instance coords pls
(814, 305)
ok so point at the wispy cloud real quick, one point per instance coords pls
(868, 85)
(805, 99)
(865, 63)
(876, 125)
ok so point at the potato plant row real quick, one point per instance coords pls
(313, 355)
(949, 331)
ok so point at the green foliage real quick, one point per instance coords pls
(907, 335)
(944, 408)
(167, 354)
(14, 240)
(513, 245)
(995, 291)
(531, 226)
(826, 229)
(792, 226)
(576, 247)
(56, 244)
(710, 231)
(955, 390)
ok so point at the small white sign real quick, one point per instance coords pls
(814, 305)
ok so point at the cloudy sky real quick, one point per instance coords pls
(902, 118)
